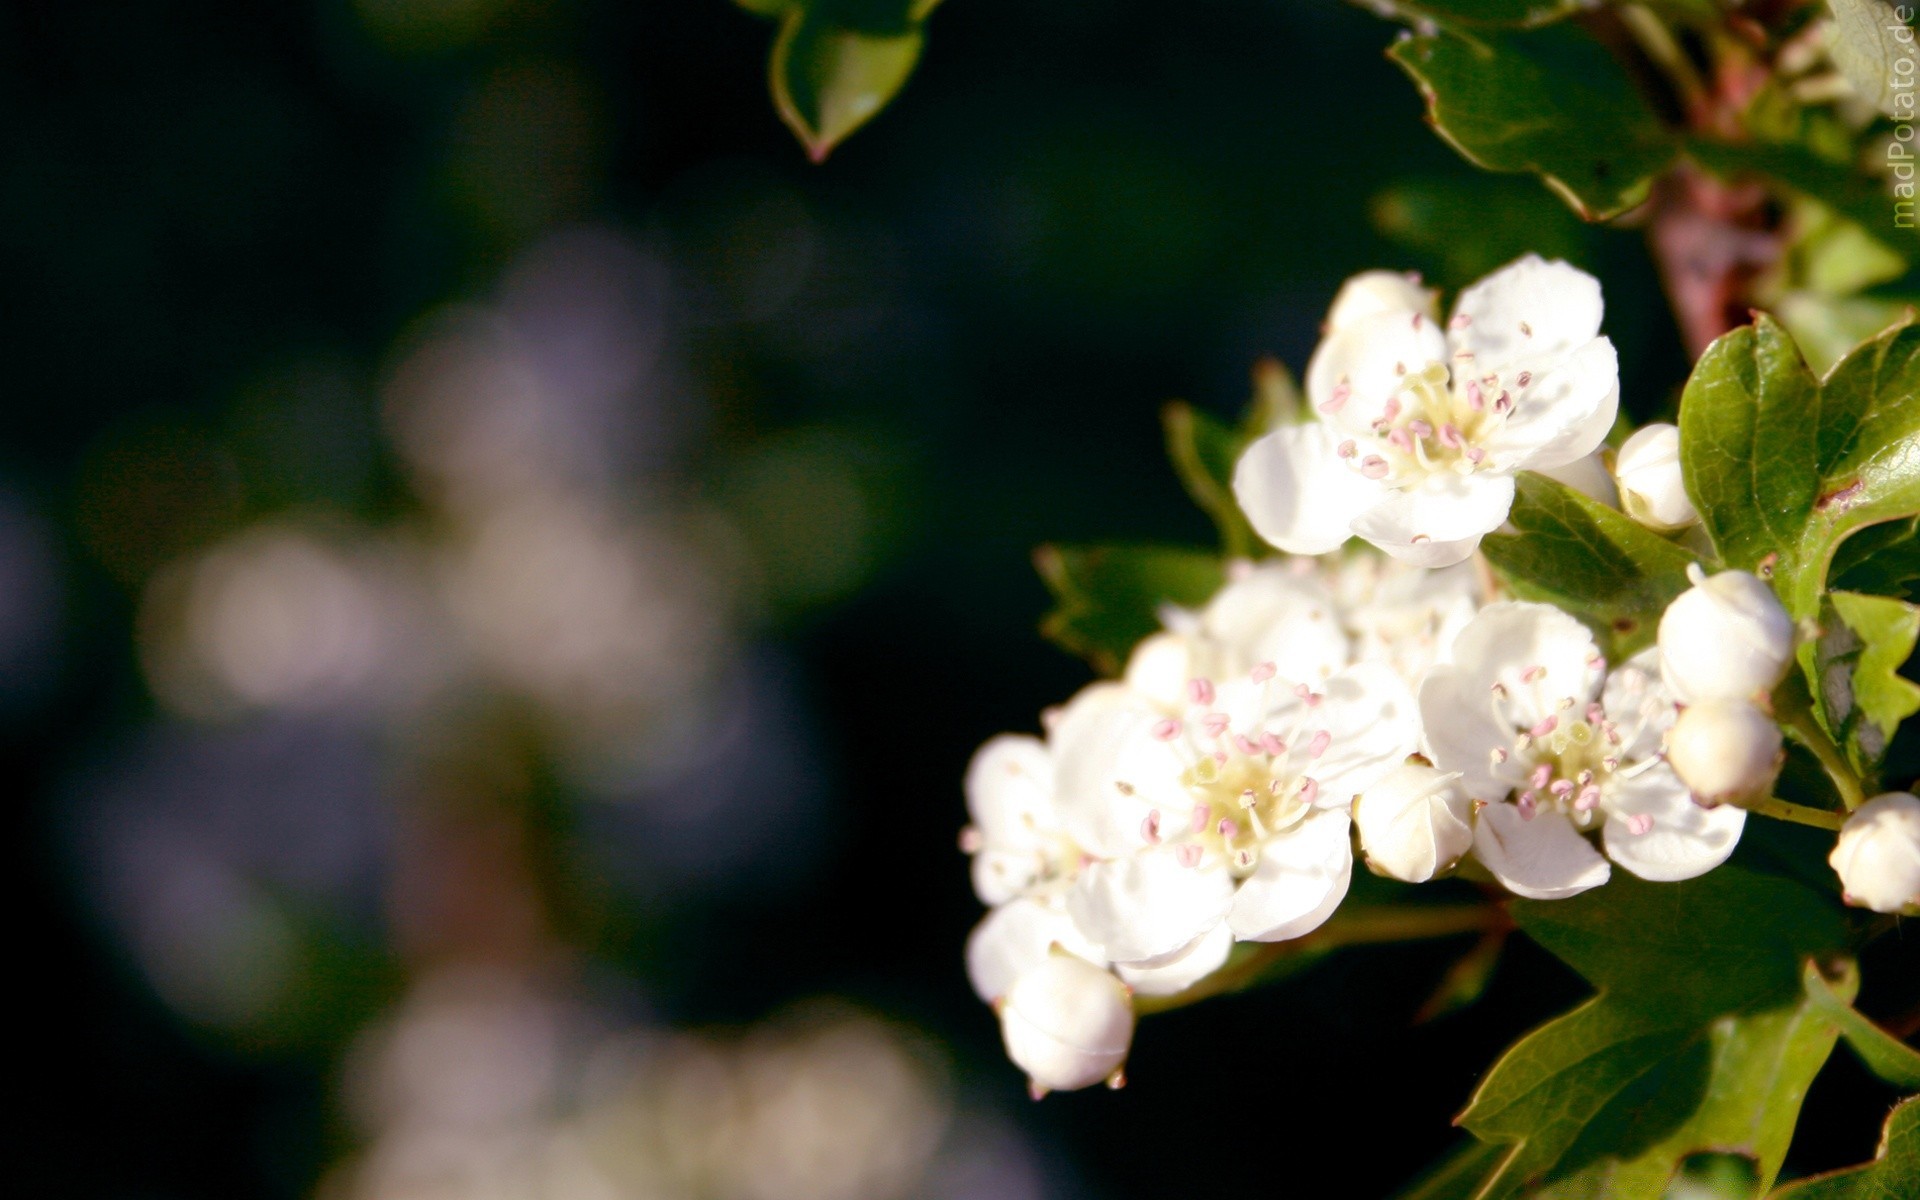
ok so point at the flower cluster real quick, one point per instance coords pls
(1387, 702)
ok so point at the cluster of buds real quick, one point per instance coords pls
(1724, 644)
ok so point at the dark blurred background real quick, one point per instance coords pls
(503, 564)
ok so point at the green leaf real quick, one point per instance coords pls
(1894, 1174)
(1457, 1176)
(836, 63)
(1881, 560)
(1863, 201)
(1866, 45)
(1857, 661)
(1466, 228)
(1204, 450)
(1783, 466)
(1702, 1036)
(1593, 561)
(1106, 598)
(1552, 101)
(1885, 1055)
(1512, 14)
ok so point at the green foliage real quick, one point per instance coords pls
(1106, 598)
(1894, 1174)
(1881, 560)
(1703, 1036)
(1508, 217)
(837, 63)
(1865, 43)
(1551, 101)
(1591, 560)
(1885, 1055)
(1204, 450)
(1784, 466)
(1858, 658)
(1512, 14)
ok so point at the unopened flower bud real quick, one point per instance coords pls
(1724, 750)
(1067, 1024)
(1414, 823)
(1371, 293)
(1725, 638)
(1651, 489)
(1878, 854)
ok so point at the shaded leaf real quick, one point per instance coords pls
(1106, 598)
(1459, 1175)
(1894, 1173)
(1592, 561)
(1861, 200)
(1881, 560)
(1857, 658)
(1552, 101)
(828, 80)
(1204, 450)
(1466, 228)
(1885, 1055)
(1701, 1038)
(1501, 13)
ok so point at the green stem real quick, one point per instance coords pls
(1799, 814)
(1361, 927)
(1805, 728)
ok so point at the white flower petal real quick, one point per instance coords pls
(1159, 668)
(1587, 475)
(1684, 840)
(1205, 955)
(1374, 722)
(1302, 877)
(1528, 308)
(1370, 358)
(1439, 521)
(1563, 413)
(1067, 1024)
(1639, 705)
(1148, 905)
(1010, 791)
(1275, 615)
(1414, 822)
(1460, 732)
(1296, 491)
(1542, 859)
(1110, 772)
(1016, 937)
(1378, 293)
(1537, 653)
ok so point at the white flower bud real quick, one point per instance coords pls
(1588, 476)
(1067, 1024)
(1725, 638)
(1159, 668)
(1878, 854)
(1724, 751)
(1651, 488)
(1414, 823)
(1371, 293)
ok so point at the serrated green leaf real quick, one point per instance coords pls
(1857, 659)
(1510, 14)
(1885, 1055)
(1552, 101)
(1106, 598)
(1701, 1038)
(1894, 1174)
(1592, 561)
(1783, 466)
(1868, 42)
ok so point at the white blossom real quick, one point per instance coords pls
(1421, 430)
(1552, 748)
(1400, 615)
(1414, 823)
(1725, 638)
(1280, 613)
(1725, 750)
(1231, 810)
(1878, 854)
(1651, 488)
(1067, 1024)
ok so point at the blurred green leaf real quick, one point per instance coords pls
(1106, 598)
(1507, 13)
(1860, 199)
(1885, 1055)
(1459, 1175)
(837, 63)
(1551, 101)
(1702, 1036)
(1783, 466)
(1894, 1173)
(1865, 43)
(1204, 450)
(1593, 561)
(1465, 228)
(1858, 657)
